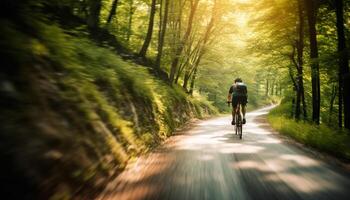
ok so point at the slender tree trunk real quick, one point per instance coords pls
(300, 52)
(298, 102)
(202, 47)
(272, 89)
(190, 56)
(162, 34)
(280, 89)
(304, 105)
(311, 9)
(276, 89)
(131, 14)
(346, 93)
(148, 38)
(186, 79)
(267, 88)
(178, 51)
(293, 105)
(331, 103)
(343, 67)
(94, 14)
(295, 86)
(193, 81)
(191, 72)
(112, 12)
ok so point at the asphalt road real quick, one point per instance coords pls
(209, 162)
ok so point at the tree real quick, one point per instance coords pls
(162, 31)
(112, 12)
(311, 10)
(344, 98)
(201, 50)
(94, 14)
(299, 64)
(131, 14)
(148, 38)
(179, 49)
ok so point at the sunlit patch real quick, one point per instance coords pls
(311, 184)
(240, 148)
(248, 164)
(301, 160)
(216, 122)
(199, 142)
(205, 157)
(269, 141)
(257, 113)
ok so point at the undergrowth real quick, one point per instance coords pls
(331, 140)
(77, 112)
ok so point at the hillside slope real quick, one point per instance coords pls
(74, 113)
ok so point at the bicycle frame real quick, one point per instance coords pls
(238, 120)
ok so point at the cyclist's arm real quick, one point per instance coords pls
(229, 96)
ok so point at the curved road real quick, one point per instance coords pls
(209, 162)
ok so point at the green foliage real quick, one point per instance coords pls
(98, 111)
(323, 138)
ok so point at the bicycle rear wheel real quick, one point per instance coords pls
(240, 131)
(236, 127)
(239, 126)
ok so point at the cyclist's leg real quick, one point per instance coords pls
(233, 115)
(234, 108)
(244, 104)
(243, 112)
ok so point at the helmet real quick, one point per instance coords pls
(238, 80)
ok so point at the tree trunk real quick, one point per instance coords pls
(343, 66)
(281, 90)
(272, 87)
(178, 51)
(267, 88)
(304, 102)
(311, 9)
(162, 31)
(148, 38)
(94, 14)
(300, 51)
(276, 89)
(186, 79)
(193, 81)
(331, 104)
(112, 12)
(202, 48)
(346, 93)
(131, 14)
(298, 102)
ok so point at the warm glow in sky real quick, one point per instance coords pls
(242, 20)
(242, 1)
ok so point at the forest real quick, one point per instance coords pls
(87, 85)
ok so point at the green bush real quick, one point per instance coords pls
(323, 138)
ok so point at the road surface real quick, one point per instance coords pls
(209, 162)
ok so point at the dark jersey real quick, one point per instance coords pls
(238, 89)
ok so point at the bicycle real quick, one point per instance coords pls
(238, 121)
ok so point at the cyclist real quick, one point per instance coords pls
(238, 94)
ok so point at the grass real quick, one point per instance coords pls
(323, 138)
